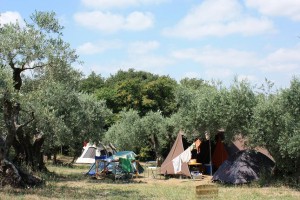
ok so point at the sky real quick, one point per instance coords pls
(206, 39)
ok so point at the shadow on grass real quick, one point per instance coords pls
(56, 177)
(67, 192)
(110, 180)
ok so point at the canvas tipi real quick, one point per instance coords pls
(167, 166)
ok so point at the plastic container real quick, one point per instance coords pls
(196, 175)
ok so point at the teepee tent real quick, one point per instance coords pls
(167, 167)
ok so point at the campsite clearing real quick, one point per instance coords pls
(70, 183)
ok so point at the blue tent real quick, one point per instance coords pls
(111, 165)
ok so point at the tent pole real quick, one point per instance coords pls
(210, 163)
(207, 136)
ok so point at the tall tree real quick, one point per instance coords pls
(141, 91)
(125, 133)
(66, 117)
(92, 83)
(276, 126)
(153, 131)
(134, 132)
(210, 108)
(36, 46)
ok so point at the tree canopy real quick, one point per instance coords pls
(141, 91)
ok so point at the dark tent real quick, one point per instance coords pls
(243, 167)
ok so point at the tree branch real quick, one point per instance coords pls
(29, 121)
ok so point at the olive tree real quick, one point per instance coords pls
(211, 107)
(37, 45)
(276, 126)
(125, 133)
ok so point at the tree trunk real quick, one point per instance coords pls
(156, 147)
(9, 173)
(12, 175)
(54, 158)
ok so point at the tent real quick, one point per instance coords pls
(214, 152)
(243, 167)
(125, 155)
(220, 150)
(220, 154)
(89, 152)
(167, 166)
(240, 141)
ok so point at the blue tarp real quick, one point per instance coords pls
(112, 165)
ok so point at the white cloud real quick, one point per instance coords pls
(282, 60)
(218, 18)
(150, 63)
(98, 47)
(288, 8)
(142, 47)
(138, 21)
(209, 56)
(106, 4)
(147, 62)
(109, 22)
(223, 62)
(11, 17)
(218, 73)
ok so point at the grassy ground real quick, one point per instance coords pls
(70, 183)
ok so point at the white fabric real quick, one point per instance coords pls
(177, 164)
(184, 157)
(98, 153)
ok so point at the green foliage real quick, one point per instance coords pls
(62, 114)
(6, 83)
(209, 108)
(125, 133)
(91, 83)
(47, 21)
(132, 132)
(276, 126)
(6, 88)
(158, 95)
(65, 116)
(193, 83)
(144, 154)
(32, 46)
(153, 131)
(140, 91)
